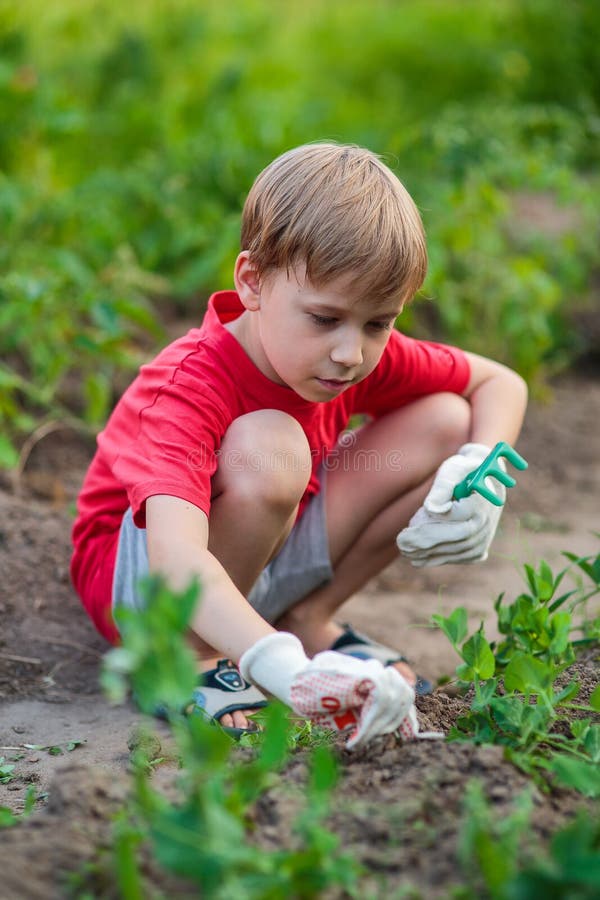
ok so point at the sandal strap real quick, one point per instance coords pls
(223, 690)
(353, 643)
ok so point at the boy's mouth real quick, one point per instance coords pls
(334, 384)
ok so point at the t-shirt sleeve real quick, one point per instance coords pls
(176, 448)
(409, 369)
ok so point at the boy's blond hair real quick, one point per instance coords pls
(338, 209)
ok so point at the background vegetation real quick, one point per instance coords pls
(131, 132)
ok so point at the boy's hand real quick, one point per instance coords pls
(339, 692)
(444, 530)
(333, 690)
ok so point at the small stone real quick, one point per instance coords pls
(500, 791)
(19, 729)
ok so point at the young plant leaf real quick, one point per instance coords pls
(531, 578)
(6, 771)
(455, 626)
(580, 727)
(508, 713)
(568, 693)
(7, 818)
(591, 743)
(487, 691)
(575, 773)
(274, 748)
(589, 567)
(527, 674)
(477, 653)
(560, 628)
(547, 581)
(323, 773)
(560, 600)
(595, 699)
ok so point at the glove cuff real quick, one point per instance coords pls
(273, 662)
(476, 452)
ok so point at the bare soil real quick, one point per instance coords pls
(398, 808)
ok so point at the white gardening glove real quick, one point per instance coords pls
(444, 530)
(333, 690)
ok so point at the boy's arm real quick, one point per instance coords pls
(177, 533)
(498, 398)
(333, 690)
(445, 530)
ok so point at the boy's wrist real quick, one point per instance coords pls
(273, 662)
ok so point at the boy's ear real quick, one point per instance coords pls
(247, 281)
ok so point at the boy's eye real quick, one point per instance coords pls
(322, 320)
(381, 326)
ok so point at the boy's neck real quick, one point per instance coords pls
(240, 328)
(236, 327)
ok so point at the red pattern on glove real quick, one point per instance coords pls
(337, 701)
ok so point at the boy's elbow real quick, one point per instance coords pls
(515, 386)
(521, 389)
(516, 393)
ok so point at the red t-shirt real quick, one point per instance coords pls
(164, 434)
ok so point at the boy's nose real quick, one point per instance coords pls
(348, 351)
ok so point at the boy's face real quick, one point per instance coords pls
(317, 341)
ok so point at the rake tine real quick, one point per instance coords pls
(488, 494)
(506, 479)
(489, 468)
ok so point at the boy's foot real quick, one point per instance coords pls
(226, 697)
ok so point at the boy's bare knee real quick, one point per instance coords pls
(265, 457)
(451, 418)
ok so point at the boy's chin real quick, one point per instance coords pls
(312, 396)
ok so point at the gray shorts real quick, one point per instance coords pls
(301, 566)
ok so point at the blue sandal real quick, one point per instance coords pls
(353, 643)
(223, 690)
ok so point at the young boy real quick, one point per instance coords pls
(228, 457)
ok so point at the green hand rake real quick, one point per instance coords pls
(489, 468)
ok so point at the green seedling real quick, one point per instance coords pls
(9, 818)
(205, 834)
(503, 860)
(520, 699)
(489, 468)
(55, 749)
(6, 771)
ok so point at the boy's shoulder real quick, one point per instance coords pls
(206, 369)
(206, 349)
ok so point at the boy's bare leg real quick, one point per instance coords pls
(379, 483)
(376, 486)
(264, 467)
